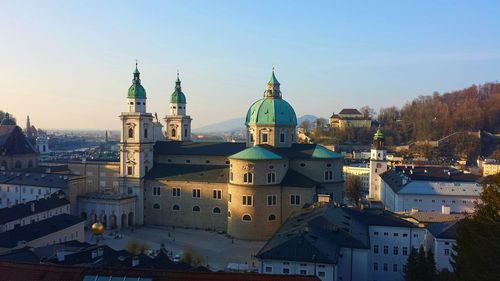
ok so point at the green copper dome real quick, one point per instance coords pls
(255, 153)
(272, 109)
(136, 91)
(323, 152)
(379, 135)
(178, 96)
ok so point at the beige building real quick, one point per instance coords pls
(349, 118)
(245, 189)
(491, 167)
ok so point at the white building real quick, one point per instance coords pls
(360, 172)
(443, 237)
(336, 243)
(429, 189)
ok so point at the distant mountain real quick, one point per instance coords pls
(238, 124)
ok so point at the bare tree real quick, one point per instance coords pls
(352, 188)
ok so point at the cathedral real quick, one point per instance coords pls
(245, 189)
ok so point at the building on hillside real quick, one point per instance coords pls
(361, 172)
(339, 243)
(57, 229)
(33, 211)
(349, 118)
(429, 189)
(16, 152)
(491, 167)
(244, 189)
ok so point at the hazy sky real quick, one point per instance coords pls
(68, 64)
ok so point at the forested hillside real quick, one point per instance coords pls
(433, 117)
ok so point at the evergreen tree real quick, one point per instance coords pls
(431, 266)
(411, 272)
(478, 238)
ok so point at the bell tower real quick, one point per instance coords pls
(178, 124)
(137, 137)
(378, 164)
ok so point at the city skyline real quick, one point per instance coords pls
(78, 58)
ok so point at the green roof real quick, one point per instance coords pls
(178, 96)
(136, 91)
(273, 80)
(323, 152)
(271, 111)
(255, 153)
(379, 135)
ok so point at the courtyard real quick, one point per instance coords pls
(217, 249)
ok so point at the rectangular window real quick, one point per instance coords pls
(375, 233)
(375, 249)
(271, 177)
(294, 199)
(176, 192)
(321, 274)
(269, 269)
(247, 200)
(217, 194)
(395, 250)
(130, 171)
(405, 251)
(303, 272)
(385, 267)
(405, 234)
(231, 176)
(156, 191)
(264, 137)
(446, 252)
(328, 175)
(375, 266)
(386, 250)
(230, 197)
(286, 270)
(196, 193)
(282, 138)
(394, 267)
(271, 200)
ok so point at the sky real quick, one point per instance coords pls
(68, 64)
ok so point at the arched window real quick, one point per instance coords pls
(176, 208)
(271, 217)
(247, 217)
(228, 214)
(145, 133)
(173, 133)
(248, 178)
(196, 209)
(3, 165)
(18, 165)
(216, 210)
(156, 206)
(130, 132)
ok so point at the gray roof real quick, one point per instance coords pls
(294, 178)
(198, 148)
(13, 141)
(432, 173)
(30, 232)
(444, 230)
(317, 233)
(184, 172)
(37, 179)
(20, 211)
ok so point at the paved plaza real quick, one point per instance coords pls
(217, 250)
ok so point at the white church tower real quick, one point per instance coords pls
(378, 165)
(178, 124)
(137, 138)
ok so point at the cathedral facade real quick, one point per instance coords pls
(245, 189)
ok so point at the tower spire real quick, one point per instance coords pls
(272, 87)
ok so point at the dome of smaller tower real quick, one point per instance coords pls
(379, 135)
(136, 91)
(178, 96)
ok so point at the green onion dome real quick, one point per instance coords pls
(379, 135)
(178, 96)
(136, 91)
